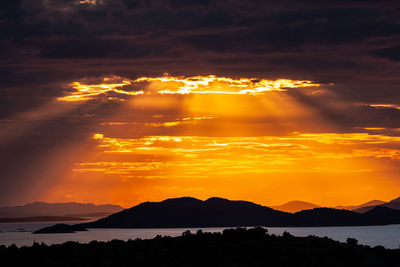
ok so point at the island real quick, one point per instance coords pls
(188, 212)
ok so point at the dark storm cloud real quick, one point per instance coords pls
(292, 37)
(201, 25)
(391, 53)
(344, 42)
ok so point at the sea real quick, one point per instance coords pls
(20, 234)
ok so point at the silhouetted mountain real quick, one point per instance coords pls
(393, 204)
(191, 212)
(218, 212)
(383, 212)
(71, 209)
(42, 219)
(364, 209)
(333, 217)
(396, 200)
(327, 217)
(295, 206)
(371, 203)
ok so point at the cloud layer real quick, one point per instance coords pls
(293, 67)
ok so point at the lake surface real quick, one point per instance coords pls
(387, 235)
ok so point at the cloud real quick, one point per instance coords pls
(63, 49)
(169, 85)
(390, 53)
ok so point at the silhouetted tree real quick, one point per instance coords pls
(352, 241)
(187, 233)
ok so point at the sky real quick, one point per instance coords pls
(126, 101)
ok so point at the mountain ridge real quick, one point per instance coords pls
(393, 204)
(219, 212)
(363, 205)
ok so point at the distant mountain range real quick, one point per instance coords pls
(71, 209)
(296, 206)
(393, 204)
(39, 211)
(219, 212)
(366, 204)
(41, 219)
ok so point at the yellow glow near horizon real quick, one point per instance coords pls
(315, 167)
(197, 155)
(243, 138)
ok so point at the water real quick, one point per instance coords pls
(387, 236)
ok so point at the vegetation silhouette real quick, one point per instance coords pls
(232, 247)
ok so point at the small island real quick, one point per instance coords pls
(60, 229)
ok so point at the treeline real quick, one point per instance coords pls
(232, 247)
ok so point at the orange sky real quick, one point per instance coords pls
(204, 136)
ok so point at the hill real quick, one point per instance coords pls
(192, 212)
(71, 209)
(393, 204)
(371, 203)
(218, 212)
(295, 206)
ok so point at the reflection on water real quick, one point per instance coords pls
(14, 233)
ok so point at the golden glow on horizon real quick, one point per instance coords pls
(198, 156)
(244, 138)
(183, 85)
(316, 167)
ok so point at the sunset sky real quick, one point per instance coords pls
(126, 101)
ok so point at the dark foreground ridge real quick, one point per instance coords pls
(233, 247)
(219, 212)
